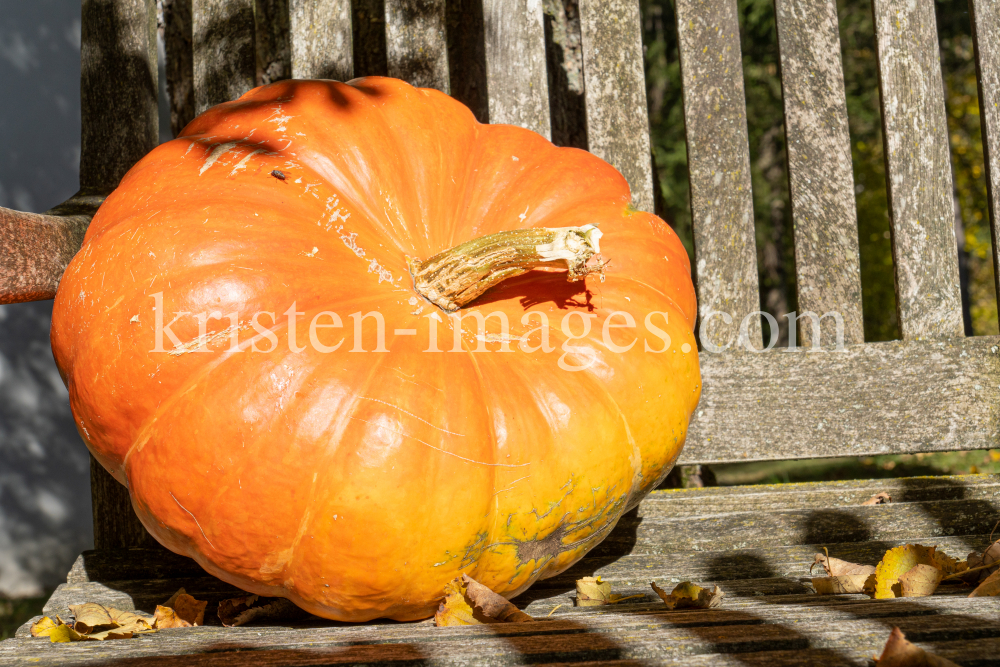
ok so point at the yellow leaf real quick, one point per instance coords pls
(899, 652)
(454, 609)
(185, 608)
(42, 627)
(920, 580)
(167, 618)
(592, 592)
(57, 631)
(990, 587)
(897, 562)
(688, 595)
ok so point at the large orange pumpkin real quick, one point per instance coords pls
(357, 483)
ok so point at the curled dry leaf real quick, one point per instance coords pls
(882, 498)
(688, 595)
(920, 580)
(180, 611)
(93, 622)
(240, 611)
(899, 652)
(468, 602)
(835, 567)
(990, 587)
(843, 584)
(897, 562)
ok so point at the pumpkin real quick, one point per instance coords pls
(197, 333)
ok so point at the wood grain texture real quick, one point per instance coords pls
(919, 178)
(827, 257)
(118, 84)
(272, 41)
(115, 524)
(515, 64)
(416, 43)
(719, 169)
(36, 248)
(876, 398)
(175, 28)
(224, 54)
(986, 35)
(322, 47)
(614, 77)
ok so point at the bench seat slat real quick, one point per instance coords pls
(321, 38)
(416, 43)
(225, 62)
(827, 257)
(919, 178)
(876, 398)
(515, 64)
(615, 92)
(722, 216)
(986, 34)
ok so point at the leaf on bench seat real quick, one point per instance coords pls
(468, 602)
(844, 584)
(689, 596)
(899, 561)
(93, 622)
(837, 568)
(989, 588)
(180, 611)
(899, 652)
(881, 498)
(240, 611)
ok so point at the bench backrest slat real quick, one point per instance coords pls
(986, 34)
(615, 92)
(919, 179)
(416, 42)
(321, 39)
(827, 258)
(715, 117)
(225, 62)
(118, 89)
(516, 78)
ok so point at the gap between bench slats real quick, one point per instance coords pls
(827, 259)
(986, 34)
(719, 167)
(919, 178)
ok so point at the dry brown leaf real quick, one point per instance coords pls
(837, 568)
(492, 605)
(240, 611)
(899, 652)
(592, 592)
(842, 584)
(920, 580)
(879, 499)
(688, 595)
(990, 587)
(186, 609)
(93, 622)
(897, 562)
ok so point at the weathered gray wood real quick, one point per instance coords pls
(118, 80)
(224, 55)
(827, 259)
(986, 35)
(322, 47)
(719, 168)
(617, 119)
(35, 249)
(416, 42)
(175, 27)
(115, 523)
(515, 64)
(272, 41)
(877, 398)
(919, 176)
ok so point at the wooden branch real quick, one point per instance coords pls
(36, 248)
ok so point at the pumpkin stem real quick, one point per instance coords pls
(453, 278)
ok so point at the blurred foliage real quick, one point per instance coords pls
(775, 245)
(16, 612)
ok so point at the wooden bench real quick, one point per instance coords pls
(934, 390)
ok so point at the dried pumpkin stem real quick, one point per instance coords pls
(453, 278)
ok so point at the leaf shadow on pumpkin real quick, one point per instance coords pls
(537, 287)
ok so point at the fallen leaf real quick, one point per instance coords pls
(990, 587)
(180, 611)
(56, 631)
(688, 595)
(93, 622)
(455, 609)
(897, 562)
(920, 580)
(899, 652)
(844, 583)
(491, 604)
(836, 568)
(879, 499)
(240, 611)
(592, 592)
